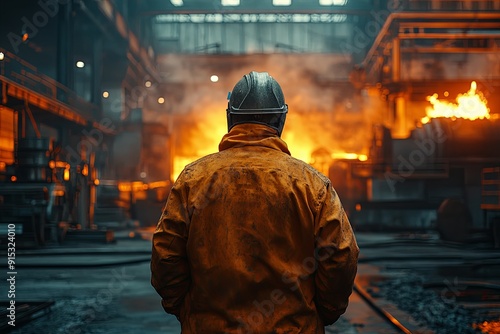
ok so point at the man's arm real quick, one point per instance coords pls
(170, 274)
(337, 257)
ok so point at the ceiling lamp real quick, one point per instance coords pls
(177, 3)
(282, 2)
(333, 2)
(230, 2)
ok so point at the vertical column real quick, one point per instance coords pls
(396, 60)
(400, 127)
(400, 130)
(96, 75)
(65, 47)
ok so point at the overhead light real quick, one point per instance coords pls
(105, 94)
(333, 2)
(80, 64)
(230, 2)
(161, 100)
(177, 3)
(214, 78)
(282, 2)
(147, 83)
(2, 56)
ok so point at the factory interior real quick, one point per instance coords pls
(103, 103)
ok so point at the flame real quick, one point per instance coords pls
(471, 105)
(301, 148)
(300, 134)
(204, 139)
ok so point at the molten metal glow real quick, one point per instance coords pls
(344, 155)
(471, 105)
(158, 184)
(58, 193)
(302, 134)
(492, 326)
(362, 157)
(66, 174)
(132, 186)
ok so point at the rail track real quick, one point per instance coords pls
(385, 315)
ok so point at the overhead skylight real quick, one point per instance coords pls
(230, 2)
(333, 2)
(282, 2)
(250, 18)
(177, 3)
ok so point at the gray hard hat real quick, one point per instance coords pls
(257, 98)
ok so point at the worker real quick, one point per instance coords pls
(252, 240)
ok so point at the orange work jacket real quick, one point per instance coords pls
(252, 240)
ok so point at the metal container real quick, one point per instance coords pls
(33, 144)
(33, 158)
(33, 174)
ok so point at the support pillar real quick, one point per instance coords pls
(65, 48)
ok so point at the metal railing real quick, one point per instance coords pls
(18, 71)
(490, 188)
(451, 5)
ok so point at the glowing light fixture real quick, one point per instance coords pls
(105, 94)
(2, 55)
(282, 2)
(230, 2)
(80, 64)
(333, 2)
(85, 170)
(214, 78)
(147, 83)
(25, 36)
(177, 3)
(161, 100)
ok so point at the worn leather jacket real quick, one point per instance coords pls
(252, 240)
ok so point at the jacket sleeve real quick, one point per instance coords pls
(170, 274)
(337, 257)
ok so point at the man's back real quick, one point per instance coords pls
(253, 241)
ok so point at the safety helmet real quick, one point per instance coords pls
(257, 98)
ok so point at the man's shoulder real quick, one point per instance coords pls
(308, 170)
(203, 161)
(297, 168)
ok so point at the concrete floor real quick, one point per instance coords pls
(117, 296)
(111, 299)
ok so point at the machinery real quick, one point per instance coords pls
(31, 195)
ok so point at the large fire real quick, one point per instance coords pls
(471, 105)
(299, 140)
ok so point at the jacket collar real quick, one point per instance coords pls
(250, 134)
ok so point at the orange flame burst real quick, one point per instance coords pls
(471, 105)
(302, 150)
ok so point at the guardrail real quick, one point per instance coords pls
(18, 71)
(451, 5)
